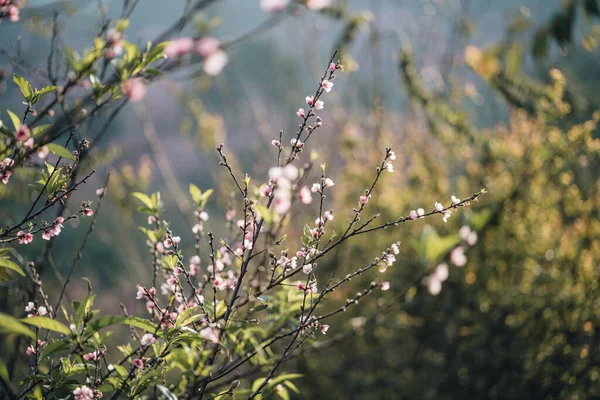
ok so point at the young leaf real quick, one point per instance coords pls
(6, 263)
(144, 198)
(15, 120)
(47, 323)
(10, 324)
(141, 323)
(60, 151)
(25, 87)
(53, 347)
(103, 322)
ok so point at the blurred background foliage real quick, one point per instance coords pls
(470, 94)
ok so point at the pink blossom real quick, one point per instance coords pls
(305, 195)
(332, 67)
(319, 104)
(210, 334)
(275, 143)
(150, 306)
(309, 100)
(447, 215)
(30, 350)
(455, 200)
(317, 4)
(196, 229)
(299, 285)
(434, 286)
(281, 202)
(13, 13)
(265, 191)
(384, 286)
(441, 272)
(194, 269)
(324, 329)
(307, 268)
(23, 133)
(43, 152)
(135, 89)
(42, 311)
(139, 364)
(396, 248)
(420, 212)
(147, 339)
(328, 183)
(29, 143)
(177, 271)
(314, 232)
(458, 257)
(93, 356)
(364, 199)
(273, 6)
(30, 307)
(178, 47)
(203, 216)
(25, 238)
(151, 219)
(100, 192)
(328, 215)
(300, 113)
(315, 188)
(438, 206)
(207, 46)
(413, 215)
(88, 212)
(83, 393)
(214, 64)
(140, 293)
(6, 177)
(327, 85)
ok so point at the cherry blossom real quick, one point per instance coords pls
(83, 393)
(147, 339)
(139, 364)
(319, 104)
(307, 268)
(317, 4)
(458, 257)
(274, 6)
(25, 237)
(327, 85)
(412, 215)
(300, 113)
(384, 286)
(23, 133)
(438, 206)
(135, 89)
(455, 200)
(324, 329)
(305, 195)
(179, 46)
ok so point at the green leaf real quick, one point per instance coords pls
(121, 370)
(183, 318)
(53, 347)
(9, 324)
(258, 308)
(6, 263)
(144, 198)
(15, 120)
(60, 151)
(141, 323)
(103, 322)
(45, 90)
(47, 323)
(4, 372)
(25, 87)
(40, 130)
